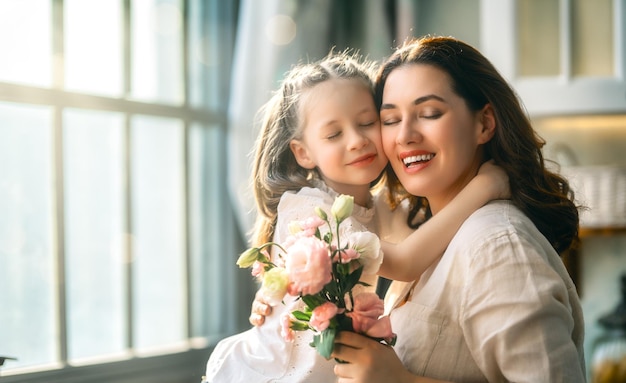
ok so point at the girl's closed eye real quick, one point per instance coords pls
(333, 135)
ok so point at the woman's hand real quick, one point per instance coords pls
(367, 361)
(260, 309)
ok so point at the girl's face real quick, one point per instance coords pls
(341, 137)
(433, 140)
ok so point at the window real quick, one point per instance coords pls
(115, 215)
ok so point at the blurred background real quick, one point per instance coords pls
(125, 133)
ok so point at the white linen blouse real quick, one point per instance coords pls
(499, 306)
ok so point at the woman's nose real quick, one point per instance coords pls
(408, 132)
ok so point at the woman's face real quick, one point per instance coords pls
(431, 137)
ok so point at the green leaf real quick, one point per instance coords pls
(332, 289)
(352, 279)
(324, 342)
(299, 326)
(343, 268)
(328, 238)
(312, 301)
(302, 316)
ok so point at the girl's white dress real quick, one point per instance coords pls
(261, 354)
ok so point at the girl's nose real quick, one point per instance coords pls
(357, 140)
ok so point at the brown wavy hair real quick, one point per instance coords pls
(545, 197)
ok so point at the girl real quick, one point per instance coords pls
(320, 137)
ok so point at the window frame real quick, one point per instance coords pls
(185, 364)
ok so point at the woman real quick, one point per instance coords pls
(499, 305)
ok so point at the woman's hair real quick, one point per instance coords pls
(275, 169)
(545, 197)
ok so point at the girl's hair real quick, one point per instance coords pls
(275, 169)
(545, 197)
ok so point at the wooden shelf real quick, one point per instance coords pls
(601, 231)
(571, 258)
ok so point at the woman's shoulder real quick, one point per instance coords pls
(500, 221)
(496, 214)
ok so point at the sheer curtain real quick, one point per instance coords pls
(272, 36)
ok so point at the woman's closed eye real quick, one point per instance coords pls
(431, 115)
(391, 121)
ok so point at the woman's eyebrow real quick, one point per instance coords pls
(417, 101)
(422, 99)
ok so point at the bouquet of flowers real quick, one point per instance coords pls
(323, 271)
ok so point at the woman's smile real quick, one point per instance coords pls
(412, 160)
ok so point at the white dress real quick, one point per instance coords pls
(261, 354)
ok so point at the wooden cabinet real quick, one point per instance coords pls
(562, 56)
(571, 258)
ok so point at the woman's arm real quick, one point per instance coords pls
(407, 260)
(532, 316)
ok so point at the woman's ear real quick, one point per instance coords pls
(301, 154)
(487, 121)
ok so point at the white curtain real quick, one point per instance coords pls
(272, 36)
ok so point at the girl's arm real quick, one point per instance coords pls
(407, 260)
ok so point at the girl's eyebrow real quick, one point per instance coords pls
(417, 101)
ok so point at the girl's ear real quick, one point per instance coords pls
(487, 124)
(301, 154)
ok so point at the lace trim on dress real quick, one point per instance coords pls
(362, 213)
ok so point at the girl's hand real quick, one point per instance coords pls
(260, 309)
(367, 361)
(494, 178)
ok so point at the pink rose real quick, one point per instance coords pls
(258, 268)
(308, 265)
(366, 316)
(347, 255)
(311, 224)
(321, 316)
(285, 331)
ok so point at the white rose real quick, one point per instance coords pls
(368, 246)
(274, 287)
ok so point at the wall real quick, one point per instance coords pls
(592, 140)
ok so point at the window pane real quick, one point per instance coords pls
(94, 245)
(539, 37)
(25, 38)
(156, 29)
(442, 18)
(28, 301)
(199, 195)
(159, 293)
(592, 38)
(93, 46)
(199, 59)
